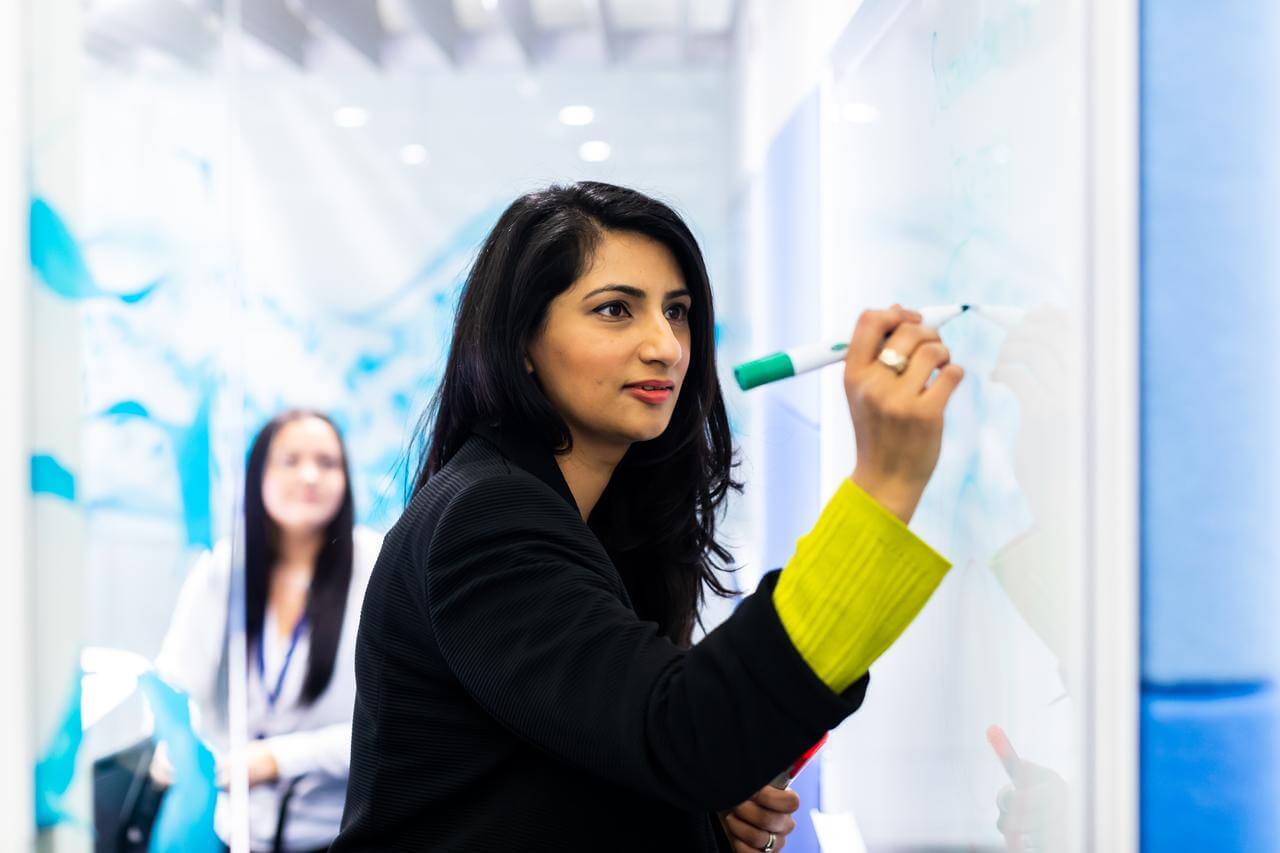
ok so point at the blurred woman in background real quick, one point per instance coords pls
(306, 567)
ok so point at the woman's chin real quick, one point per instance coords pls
(648, 432)
(632, 431)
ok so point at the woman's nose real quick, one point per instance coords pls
(661, 343)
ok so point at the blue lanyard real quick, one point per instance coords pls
(273, 695)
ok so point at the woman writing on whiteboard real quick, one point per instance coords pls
(525, 673)
(306, 567)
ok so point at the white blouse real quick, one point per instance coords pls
(312, 741)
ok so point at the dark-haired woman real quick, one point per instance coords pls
(306, 568)
(525, 674)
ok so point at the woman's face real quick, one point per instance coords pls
(303, 484)
(614, 348)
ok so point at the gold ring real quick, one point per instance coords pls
(894, 360)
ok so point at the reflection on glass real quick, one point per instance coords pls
(305, 569)
(1039, 568)
(359, 197)
(954, 174)
(127, 262)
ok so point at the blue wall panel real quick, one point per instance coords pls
(1209, 771)
(1210, 166)
(1210, 315)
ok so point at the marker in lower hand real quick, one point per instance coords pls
(802, 359)
(784, 779)
(1004, 751)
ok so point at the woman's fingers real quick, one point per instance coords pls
(767, 812)
(908, 337)
(928, 357)
(753, 837)
(776, 799)
(161, 769)
(872, 329)
(943, 385)
(766, 819)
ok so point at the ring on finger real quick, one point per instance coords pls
(773, 839)
(894, 360)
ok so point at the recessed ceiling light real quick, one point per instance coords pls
(350, 117)
(577, 115)
(594, 151)
(414, 154)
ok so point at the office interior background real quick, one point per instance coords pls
(213, 210)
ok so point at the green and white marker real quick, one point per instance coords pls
(802, 359)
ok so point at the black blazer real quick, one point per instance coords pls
(510, 699)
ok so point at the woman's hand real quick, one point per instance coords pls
(897, 416)
(1035, 813)
(262, 766)
(161, 770)
(768, 811)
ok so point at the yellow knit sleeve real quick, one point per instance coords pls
(853, 585)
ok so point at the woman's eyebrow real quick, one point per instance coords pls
(633, 292)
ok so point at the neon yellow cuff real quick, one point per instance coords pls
(853, 585)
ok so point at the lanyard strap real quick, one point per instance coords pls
(274, 695)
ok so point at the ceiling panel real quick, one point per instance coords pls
(564, 14)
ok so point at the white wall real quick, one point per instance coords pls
(780, 53)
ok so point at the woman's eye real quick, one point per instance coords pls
(614, 310)
(679, 311)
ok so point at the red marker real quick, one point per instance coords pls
(1004, 751)
(784, 779)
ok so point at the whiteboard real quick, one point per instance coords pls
(954, 170)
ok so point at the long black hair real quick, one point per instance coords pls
(327, 598)
(675, 484)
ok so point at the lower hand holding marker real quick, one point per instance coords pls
(898, 378)
(1033, 810)
(762, 822)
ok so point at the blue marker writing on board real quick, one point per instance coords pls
(802, 359)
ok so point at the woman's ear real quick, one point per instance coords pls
(528, 365)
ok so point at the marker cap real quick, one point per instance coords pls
(764, 370)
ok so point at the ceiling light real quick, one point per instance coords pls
(414, 154)
(594, 151)
(350, 117)
(577, 115)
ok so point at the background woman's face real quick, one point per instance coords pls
(303, 483)
(623, 325)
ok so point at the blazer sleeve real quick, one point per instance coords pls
(538, 635)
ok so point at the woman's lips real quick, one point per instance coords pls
(655, 397)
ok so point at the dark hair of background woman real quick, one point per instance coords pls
(327, 599)
(658, 515)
